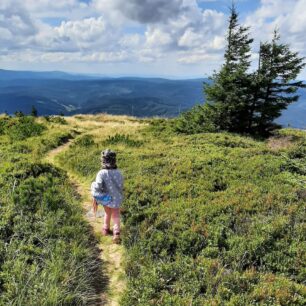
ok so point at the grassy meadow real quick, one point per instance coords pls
(209, 219)
(48, 253)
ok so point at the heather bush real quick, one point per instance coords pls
(56, 119)
(84, 141)
(123, 139)
(20, 128)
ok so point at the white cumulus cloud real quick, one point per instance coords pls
(286, 15)
(142, 33)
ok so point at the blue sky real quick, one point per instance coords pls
(170, 38)
(244, 6)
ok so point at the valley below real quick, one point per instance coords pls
(59, 93)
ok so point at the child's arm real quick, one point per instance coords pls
(96, 185)
(94, 206)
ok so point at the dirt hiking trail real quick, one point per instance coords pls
(111, 254)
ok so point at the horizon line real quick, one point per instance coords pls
(101, 75)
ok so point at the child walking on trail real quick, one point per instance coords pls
(107, 190)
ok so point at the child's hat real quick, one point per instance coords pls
(108, 158)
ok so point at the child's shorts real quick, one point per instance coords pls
(104, 200)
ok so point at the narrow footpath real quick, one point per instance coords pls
(111, 254)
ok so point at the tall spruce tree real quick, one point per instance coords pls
(228, 94)
(241, 101)
(275, 85)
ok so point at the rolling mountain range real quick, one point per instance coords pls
(59, 92)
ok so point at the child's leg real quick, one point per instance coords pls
(107, 217)
(116, 219)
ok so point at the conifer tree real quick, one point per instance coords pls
(229, 94)
(34, 112)
(19, 114)
(275, 85)
(238, 100)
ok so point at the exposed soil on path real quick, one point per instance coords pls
(111, 254)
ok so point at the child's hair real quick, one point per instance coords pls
(108, 159)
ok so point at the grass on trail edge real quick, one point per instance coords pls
(48, 252)
(111, 254)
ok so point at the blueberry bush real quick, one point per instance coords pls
(209, 218)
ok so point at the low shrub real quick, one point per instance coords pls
(122, 139)
(4, 122)
(84, 141)
(21, 148)
(296, 159)
(56, 119)
(20, 128)
(59, 120)
(197, 120)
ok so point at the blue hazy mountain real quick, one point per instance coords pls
(295, 114)
(59, 92)
(6, 75)
(70, 94)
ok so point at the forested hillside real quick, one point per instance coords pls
(54, 93)
(140, 97)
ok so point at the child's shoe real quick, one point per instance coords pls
(106, 232)
(116, 238)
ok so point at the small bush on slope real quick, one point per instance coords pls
(20, 128)
(84, 141)
(56, 119)
(122, 139)
(199, 119)
(210, 219)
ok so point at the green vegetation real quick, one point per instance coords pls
(210, 218)
(56, 119)
(20, 127)
(34, 111)
(123, 139)
(199, 119)
(242, 101)
(48, 253)
(85, 141)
